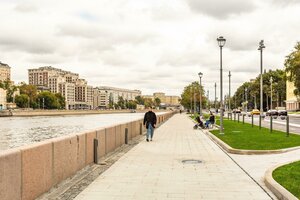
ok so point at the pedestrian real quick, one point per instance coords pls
(149, 122)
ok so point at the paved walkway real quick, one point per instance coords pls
(153, 170)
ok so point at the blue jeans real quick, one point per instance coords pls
(150, 131)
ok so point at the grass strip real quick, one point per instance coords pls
(289, 177)
(244, 136)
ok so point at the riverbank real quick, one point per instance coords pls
(28, 113)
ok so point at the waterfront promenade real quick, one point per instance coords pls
(154, 170)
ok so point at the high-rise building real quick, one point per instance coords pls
(78, 95)
(4, 72)
(104, 95)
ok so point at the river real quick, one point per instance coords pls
(19, 131)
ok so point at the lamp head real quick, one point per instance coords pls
(221, 41)
(200, 74)
(261, 45)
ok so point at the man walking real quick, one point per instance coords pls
(149, 122)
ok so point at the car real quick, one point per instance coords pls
(236, 111)
(255, 112)
(282, 113)
(272, 113)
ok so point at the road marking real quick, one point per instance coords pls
(296, 125)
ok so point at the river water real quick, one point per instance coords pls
(19, 131)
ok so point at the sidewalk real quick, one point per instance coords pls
(154, 170)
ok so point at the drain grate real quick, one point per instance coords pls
(191, 161)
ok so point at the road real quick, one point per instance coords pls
(278, 124)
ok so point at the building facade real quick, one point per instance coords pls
(2, 99)
(166, 100)
(105, 95)
(4, 72)
(77, 94)
(292, 102)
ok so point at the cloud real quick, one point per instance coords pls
(28, 44)
(221, 9)
(25, 7)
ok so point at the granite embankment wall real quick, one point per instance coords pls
(29, 171)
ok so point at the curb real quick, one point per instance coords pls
(229, 149)
(275, 187)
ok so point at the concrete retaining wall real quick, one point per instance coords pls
(29, 171)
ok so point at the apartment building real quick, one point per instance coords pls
(292, 102)
(83, 95)
(2, 99)
(78, 95)
(103, 95)
(167, 100)
(4, 72)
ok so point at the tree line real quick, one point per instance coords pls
(247, 96)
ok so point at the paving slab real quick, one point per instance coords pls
(154, 170)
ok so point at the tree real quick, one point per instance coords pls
(148, 103)
(157, 101)
(48, 100)
(121, 102)
(131, 104)
(292, 67)
(187, 96)
(140, 100)
(22, 100)
(253, 90)
(31, 92)
(60, 100)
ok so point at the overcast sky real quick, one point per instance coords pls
(151, 45)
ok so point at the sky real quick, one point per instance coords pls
(153, 46)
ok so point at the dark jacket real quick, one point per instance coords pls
(150, 117)
(212, 119)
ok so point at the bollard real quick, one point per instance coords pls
(252, 120)
(287, 126)
(259, 121)
(271, 124)
(141, 129)
(243, 119)
(126, 135)
(95, 150)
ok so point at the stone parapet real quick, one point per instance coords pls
(29, 171)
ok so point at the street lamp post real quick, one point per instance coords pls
(271, 80)
(229, 107)
(215, 95)
(221, 42)
(208, 105)
(191, 100)
(260, 48)
(200, 74)
(246, 99)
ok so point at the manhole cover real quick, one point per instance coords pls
(191, 161)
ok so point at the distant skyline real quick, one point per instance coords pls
(153, 46)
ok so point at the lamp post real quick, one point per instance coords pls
(221, 43)
(229, 107)
(246, 99)
(215, 95)
(191, 100)
(208, 105)
(271, 80)
(200, 74)
(195, 109)
(260, 48)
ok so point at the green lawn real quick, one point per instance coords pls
(289, 177)
(243, 136)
